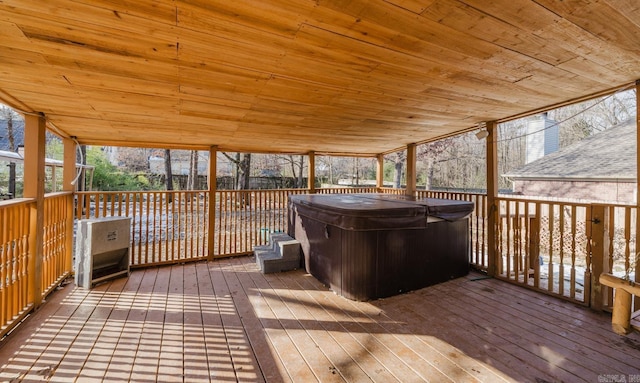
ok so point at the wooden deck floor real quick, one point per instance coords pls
(224, 321)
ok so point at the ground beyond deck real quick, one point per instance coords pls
(224, 321)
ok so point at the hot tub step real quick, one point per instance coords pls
(282, 254)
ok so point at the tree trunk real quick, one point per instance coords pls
(12, 148)
(168, 174)
(299, 182)
(12, 180)
(244, 167)
(330, 171)
(399, 166)
(356, 170)
(292, 162)
(10, 134)
(193, 170)
(81, 180)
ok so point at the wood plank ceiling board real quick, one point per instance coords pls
(415, 6)
(361, 76)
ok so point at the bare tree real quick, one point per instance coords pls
(297, 169)
(168, 171)
(399, 161)
(10, 116)
(242, 164)
(193, 170)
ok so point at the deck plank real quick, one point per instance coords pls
(239, 324)
(276, 297)
(310, 317)
(121, 362)
(224, 321)
(347, 366)
(220, 367)
(575, 351)
(171, 361)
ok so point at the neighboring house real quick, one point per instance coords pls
(601, 167)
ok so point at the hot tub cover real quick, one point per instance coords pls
(378, 211)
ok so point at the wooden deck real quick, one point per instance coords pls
(224, 321)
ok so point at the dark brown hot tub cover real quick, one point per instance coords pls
(378, 211)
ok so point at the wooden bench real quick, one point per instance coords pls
(625, 289)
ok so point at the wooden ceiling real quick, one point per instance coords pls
(331, 76)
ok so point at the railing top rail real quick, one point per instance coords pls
(139, 191)
(15, 202)
(58, 194)
(543, 201)
(451, 192)
(563, 201)
(189, 191)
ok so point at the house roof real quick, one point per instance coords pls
(331, 76)
(608, 155)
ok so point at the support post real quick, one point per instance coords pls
(492, 194)
(621, 316)
(212, 186)
(636, 277)
(380, 172)
(411, 170)
(34, 149)
(69, 172)
(599, 253)
(624, 290)
(311, 178)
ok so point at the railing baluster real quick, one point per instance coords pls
(572, 292)
(551, 216)
(561, 263)
(627, 240)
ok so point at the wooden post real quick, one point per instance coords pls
(69, 170)
(621, 316)
(380, 172)
(69, 173)
(599, 252)
(411, 170)
(212, 185)
(534, 247)
(311, 179)
(637, 265)
(34, 149)
(624, 290)
(492, 194)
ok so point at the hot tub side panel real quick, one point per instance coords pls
(413, 259)
(358, 263)
(400, 261)
(322, 249)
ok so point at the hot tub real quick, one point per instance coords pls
(369, 246)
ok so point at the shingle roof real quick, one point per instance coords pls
(610, 154)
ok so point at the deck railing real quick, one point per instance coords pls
(15, 299)
(562, 247)
(245, 218)
(166, 226)
(553, 246)
(545, 245)
(58, 239)
(20, 263)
